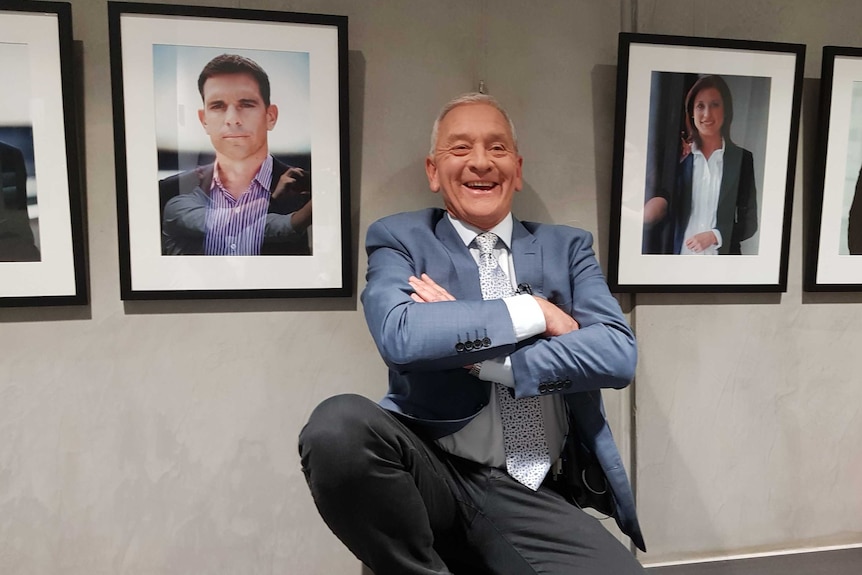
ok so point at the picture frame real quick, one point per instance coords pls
(212, 179)
(834, 249)
(42, 246)
(674, 197)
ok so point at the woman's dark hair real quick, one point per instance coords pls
(704, 83)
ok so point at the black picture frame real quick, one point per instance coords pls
(652, 206)
(160, 134)
(834, 245)
(42, 244)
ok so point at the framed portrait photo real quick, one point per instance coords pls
(231, 146)
(42, 252)
(704, 162)
(834, 254)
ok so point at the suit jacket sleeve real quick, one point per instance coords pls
(746, 202)
(415, 336)
(602, 353)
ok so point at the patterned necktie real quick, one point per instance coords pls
(527, 455)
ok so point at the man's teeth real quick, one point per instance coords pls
(480, 185)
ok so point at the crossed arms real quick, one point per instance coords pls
(417, 322)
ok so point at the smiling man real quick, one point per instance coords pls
(246, 202)
(499, 336)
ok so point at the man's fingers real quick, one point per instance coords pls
(428, 290)
(437, 289)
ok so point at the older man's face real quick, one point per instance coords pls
(475, 165)
(235, 116)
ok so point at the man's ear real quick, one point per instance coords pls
(519, 180)
(431, 172)
(271, 116)
(201, 117)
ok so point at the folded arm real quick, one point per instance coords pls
(602, 353)
(411, 335)
(185, 215)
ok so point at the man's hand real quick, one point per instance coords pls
(292, 182)
(557, 322)
(699, 242)
(426, 290)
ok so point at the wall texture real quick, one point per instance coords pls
(748, 405)
(160, 437)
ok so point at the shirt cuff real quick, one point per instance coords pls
(717, 238)
(527, 317)
(498, 370)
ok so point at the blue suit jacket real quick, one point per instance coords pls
(428, 387)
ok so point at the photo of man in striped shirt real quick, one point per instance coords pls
(246, 202)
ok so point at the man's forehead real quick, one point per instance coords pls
(459, 120)
(232, 80)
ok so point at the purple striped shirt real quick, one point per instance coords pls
(235, 226)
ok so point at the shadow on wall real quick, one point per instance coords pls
(604, 80)
(659, 468)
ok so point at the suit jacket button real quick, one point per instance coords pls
(459, 347)
(567, 384)
(486, 342)
(543, 388)
(477, 344)
(468, 345)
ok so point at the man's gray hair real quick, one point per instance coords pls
(470, 98)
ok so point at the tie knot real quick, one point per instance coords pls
(486, 242)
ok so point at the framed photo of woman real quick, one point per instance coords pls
(834, 260)
(704, 161)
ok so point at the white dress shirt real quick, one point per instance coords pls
(705, 189)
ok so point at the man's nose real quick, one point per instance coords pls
(480, 159)
(232, 116)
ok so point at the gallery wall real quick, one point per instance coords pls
(747, 405)
(160, 437)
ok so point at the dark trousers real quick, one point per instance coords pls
(405, 507)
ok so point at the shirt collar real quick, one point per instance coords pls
(468, 233)
(695, 149)
(263, 176)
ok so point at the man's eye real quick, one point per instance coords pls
(460, 149)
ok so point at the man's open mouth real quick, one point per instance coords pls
(481, 186)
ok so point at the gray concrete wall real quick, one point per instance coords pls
(160, 437)
(748, 415)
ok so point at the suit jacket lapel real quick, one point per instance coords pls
(277, 170)
(527, 254)
(466, 270)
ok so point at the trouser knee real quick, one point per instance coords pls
(335, 441)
